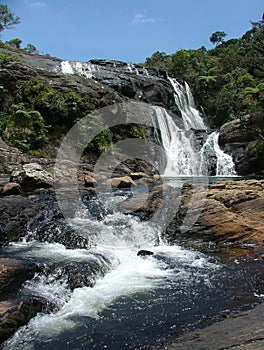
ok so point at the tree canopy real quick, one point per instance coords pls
(226, 81)
(7, 18)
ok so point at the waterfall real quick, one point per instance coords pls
(224, 162)
(185, 102)
(179, 145)
(85, 69)
(182, 155)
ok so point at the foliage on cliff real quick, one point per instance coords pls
(227, 81)
(34, 114)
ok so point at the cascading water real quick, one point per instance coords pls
(184, 100)
(126, 285)
(196, 162)
(224, 163)
(182, 159)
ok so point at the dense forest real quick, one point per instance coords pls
(227, 81)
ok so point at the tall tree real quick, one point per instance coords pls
(7, 18)
(217, 37)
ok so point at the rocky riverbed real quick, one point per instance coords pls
(231, 212)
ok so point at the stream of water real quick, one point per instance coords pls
(137, 302)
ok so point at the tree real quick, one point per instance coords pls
(31, 49)
(157, 60)
(7, 18)
(14, 43)
(217, 37)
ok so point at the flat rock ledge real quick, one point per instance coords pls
(244, 330)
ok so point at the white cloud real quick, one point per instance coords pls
(140, 18)
(36, 4)
(39, 4)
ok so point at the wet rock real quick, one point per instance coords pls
(243, 330)
(232, 212)
(17, 313)
(238, 138)
(84, 273)
(144, 252)
(135, 82)
(31, 176)
(13, 273)
(11, 188)
(15, 212)
(138, 175)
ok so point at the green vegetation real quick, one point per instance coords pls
(228, 81)
(5, 58)
(33, 112)
(24, 129)
(7, 18)
(217, 37)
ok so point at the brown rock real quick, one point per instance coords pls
(234, 211)
(121, 182)
(89, 181)
(11, 188)
(138, 175)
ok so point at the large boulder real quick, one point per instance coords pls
(15, 213)
(232, 212)
(32, 176)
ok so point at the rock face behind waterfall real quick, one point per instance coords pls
(240, 138)
(135, 82)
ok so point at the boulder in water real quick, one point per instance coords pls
(144, 252)
(138, 175)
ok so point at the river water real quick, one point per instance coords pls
(134, 302)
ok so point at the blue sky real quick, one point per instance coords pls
(127, 30)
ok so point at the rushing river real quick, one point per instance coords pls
(133, 302)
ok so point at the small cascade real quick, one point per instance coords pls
(94, 69)
(211, 152)
(184, 101)
(85, 69)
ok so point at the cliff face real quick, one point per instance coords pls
(131, 81)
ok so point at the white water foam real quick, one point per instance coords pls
(185, 102)
(119, 238)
